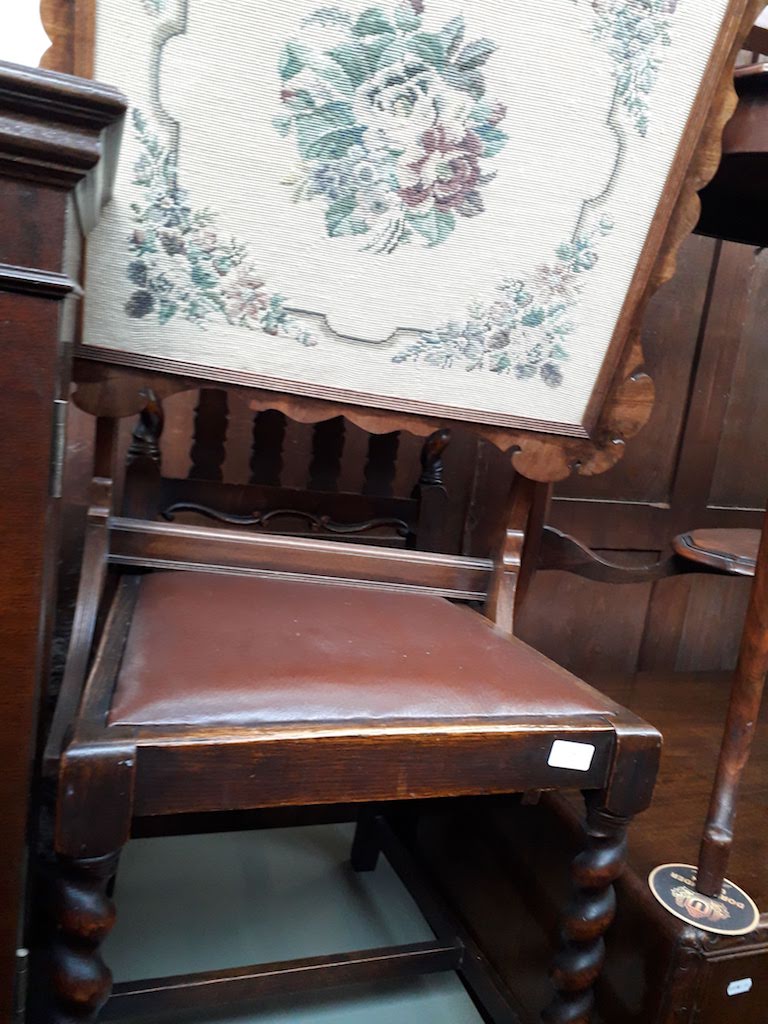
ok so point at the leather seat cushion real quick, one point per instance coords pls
(207, 649)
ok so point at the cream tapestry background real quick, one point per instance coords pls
(400, 204)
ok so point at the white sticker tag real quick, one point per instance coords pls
(577, 756)
(738, 988)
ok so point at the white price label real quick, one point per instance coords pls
(576, 756)
(738, 988)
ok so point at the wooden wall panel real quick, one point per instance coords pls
(702, 461)
(712, 627)
(670, 339)
(746, 414)
(580, 623)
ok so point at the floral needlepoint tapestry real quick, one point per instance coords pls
(404, 204)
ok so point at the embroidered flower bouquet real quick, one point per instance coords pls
(394, 128)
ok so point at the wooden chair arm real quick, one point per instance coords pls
(90, 590)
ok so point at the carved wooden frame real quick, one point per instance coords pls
(622, 400)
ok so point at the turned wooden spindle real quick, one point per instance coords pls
(145, 440)
(381, 465)
(743, 713)
(209, 447)
(142, 476)
(81, 982)
(268, 439)
(588, 916)
(431, 533)
(432, 453)
(328, 440)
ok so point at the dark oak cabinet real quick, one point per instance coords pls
(57, 135)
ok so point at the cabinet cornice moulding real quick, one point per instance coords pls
(61, 131)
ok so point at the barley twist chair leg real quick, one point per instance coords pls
(588, 916)
(84, 916)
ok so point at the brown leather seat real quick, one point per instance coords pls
(207, 649)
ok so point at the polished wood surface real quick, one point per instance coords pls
(690, 710)
(53, 133)
(737, 552)
(728, 551)
(704, 338)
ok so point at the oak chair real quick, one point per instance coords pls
(408, 256)
(245, 671)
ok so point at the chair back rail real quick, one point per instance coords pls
(251, 469)
(145, 544)
(166, 521)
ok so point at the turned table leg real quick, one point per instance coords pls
(588, 916)
(84, 916)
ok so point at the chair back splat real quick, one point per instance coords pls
(392, 219)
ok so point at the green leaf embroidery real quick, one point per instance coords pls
(283, 125)
(471, 82)
(406, 18)
(338, 212)
(474, 55)
(392, 54)
(339, 218)
(332, 72)
(372, 22)
(494, 140)
(452, 35)
(321, 122)
(430, 48)
(534, 318)
(293, 59)
(359, 60)
(335, 144)
(166, 310)
(434, 226)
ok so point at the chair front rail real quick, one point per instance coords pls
(205, 769)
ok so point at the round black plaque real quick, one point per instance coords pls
(732, 913)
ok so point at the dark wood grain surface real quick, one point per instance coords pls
(52, 134)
